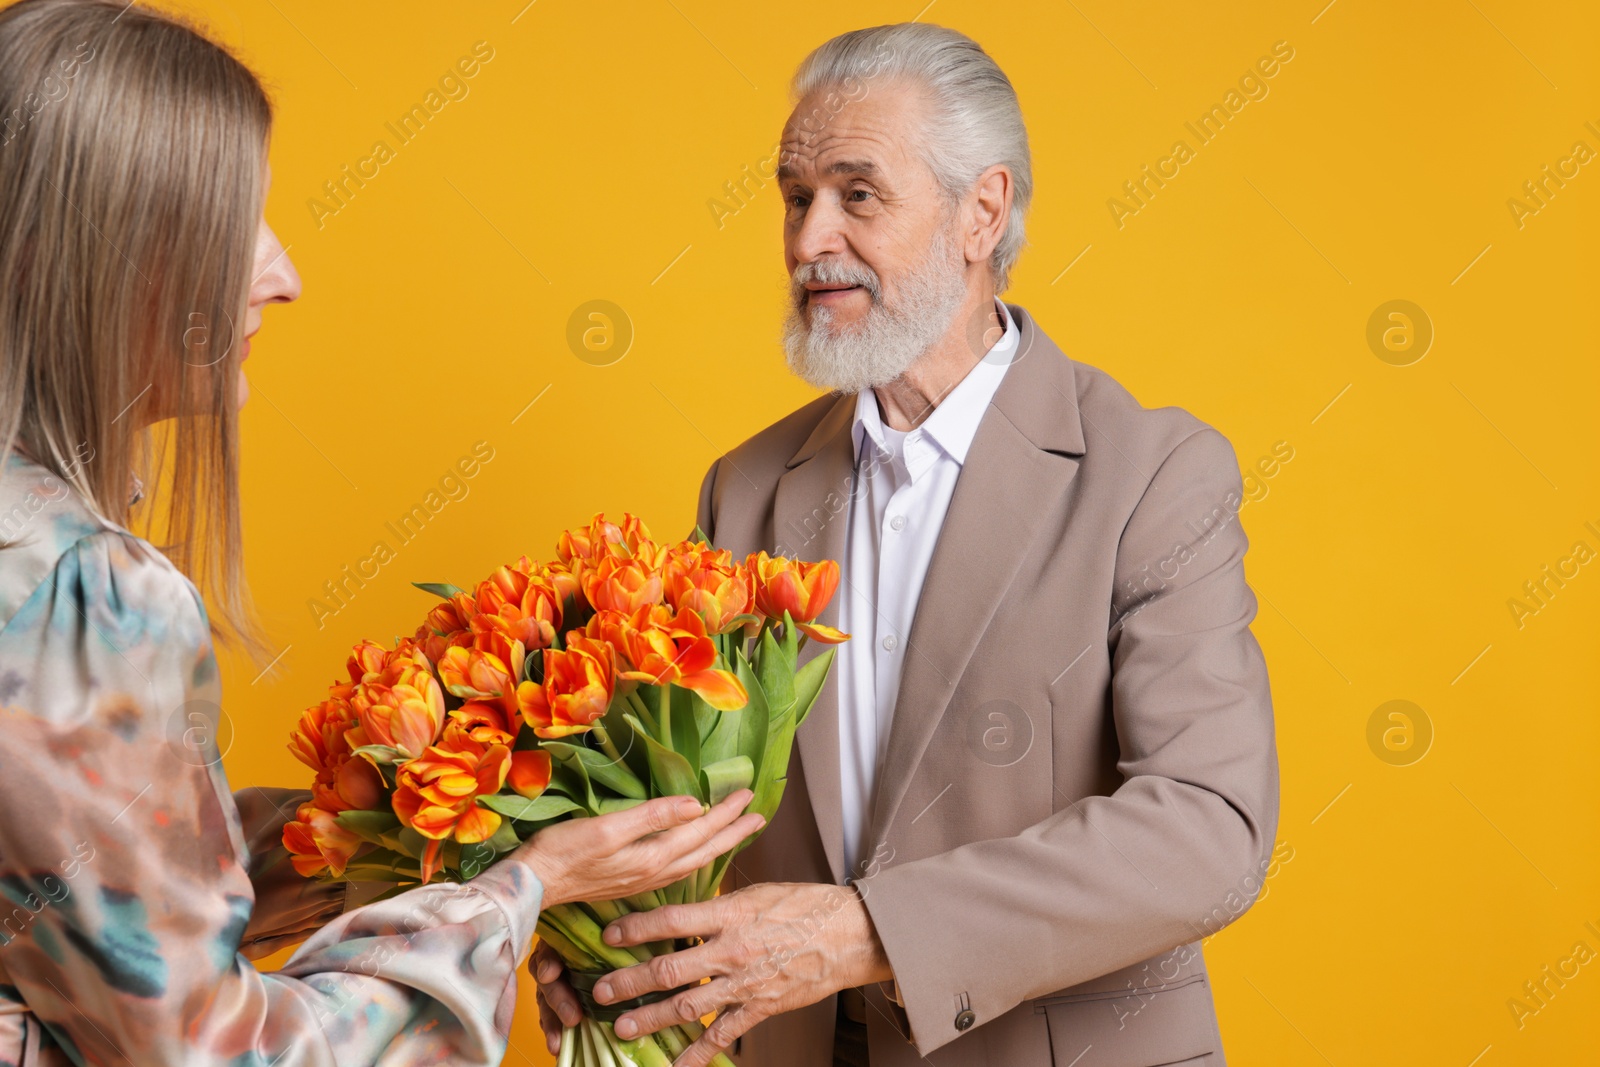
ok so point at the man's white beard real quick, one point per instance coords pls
(849, 358)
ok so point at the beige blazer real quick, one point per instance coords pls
(1081, 778)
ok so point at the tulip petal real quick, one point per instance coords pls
(432, 863)
(478, 824)
(721, 689)
(825, 634)
(530, 772)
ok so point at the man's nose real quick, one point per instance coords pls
(820, 233)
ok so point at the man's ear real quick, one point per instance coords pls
(988, 209)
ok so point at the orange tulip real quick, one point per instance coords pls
(624, 585)
(530, 773)
(496, 635)
(708, 583)
(402, 705)
(491, 714)
(437, 793)
(488, 722)
(318, 739)
(355, 784)
(449, 623)
(316, 842)
(367, 658)
(603, 538)
(801, 589)
(579, 682)
(660, 647)
(527, 601)
(467, 672)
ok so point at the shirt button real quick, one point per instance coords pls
(898, 522)
(890, 642)
(965, 1019)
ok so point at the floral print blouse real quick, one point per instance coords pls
(135, 886)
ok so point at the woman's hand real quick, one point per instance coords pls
(650, 845)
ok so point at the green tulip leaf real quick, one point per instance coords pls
(776, 673)
(601, 768)
(727, 776)
(439, 589)
(808, 681)
(670, 773)
(382, 755)
(374, 826)
(545, 806)
(685, 739)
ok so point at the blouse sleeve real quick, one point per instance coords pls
(126, 868)
(288, 906)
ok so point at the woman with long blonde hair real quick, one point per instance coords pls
(135, 887)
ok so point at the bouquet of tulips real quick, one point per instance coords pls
(623, 670)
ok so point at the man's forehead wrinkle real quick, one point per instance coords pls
(855, 151)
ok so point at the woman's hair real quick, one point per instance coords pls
(132, 166)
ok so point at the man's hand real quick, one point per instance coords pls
(558, 1004)
(767, 949)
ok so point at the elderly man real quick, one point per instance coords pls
(1044, 768)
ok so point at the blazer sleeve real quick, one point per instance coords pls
(126, 864)
(1112, 880)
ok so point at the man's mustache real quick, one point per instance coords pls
(832, 272)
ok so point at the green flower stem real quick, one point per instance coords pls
(643, 1051)
(568, 1056)
(608, 746)
(591, 1055)
(646, 716)
(602, 1046)
(681, 891)
(608, 912)
(644, 901)
(584, 932)
(573, 956)
(704, 890)
(672, 1037)
(664, 715)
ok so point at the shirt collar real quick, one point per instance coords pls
(953, 423)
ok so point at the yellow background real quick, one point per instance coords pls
(580, 166)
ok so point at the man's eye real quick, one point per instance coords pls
(797, 201)
(860, 195)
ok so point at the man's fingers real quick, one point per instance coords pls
(546, 965)
(564, 1000)
(550, 1025)
(723, 1031)
(658, 924)
(549, 971)
(667, 971)
(688, 1006)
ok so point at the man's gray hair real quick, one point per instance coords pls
(975, 123)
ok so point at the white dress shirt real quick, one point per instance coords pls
(903, 484)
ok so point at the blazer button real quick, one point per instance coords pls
(965, 1019)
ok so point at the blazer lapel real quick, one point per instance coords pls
(1024, 455)
(810, 512)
